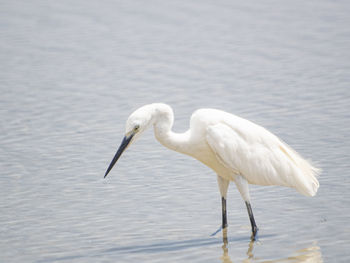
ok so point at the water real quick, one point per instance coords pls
(72, 71)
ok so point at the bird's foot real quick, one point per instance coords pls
(254, 235)
(219, 229)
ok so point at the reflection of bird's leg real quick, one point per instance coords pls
(252, 220)
(250, 250)
(225, 257)
(224, 236)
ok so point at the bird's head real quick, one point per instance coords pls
(136, 124)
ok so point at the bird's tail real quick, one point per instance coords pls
(309, 178)
(306, 181)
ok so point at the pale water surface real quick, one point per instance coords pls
(72, 71)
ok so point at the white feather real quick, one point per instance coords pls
(259, 156)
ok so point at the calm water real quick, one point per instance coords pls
(72, 71)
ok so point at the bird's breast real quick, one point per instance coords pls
(205, 155)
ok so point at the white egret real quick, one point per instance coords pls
(236, 149)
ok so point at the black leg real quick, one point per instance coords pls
(252, 221)
(224, 213)
(224, 218)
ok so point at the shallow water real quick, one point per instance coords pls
(72, 72)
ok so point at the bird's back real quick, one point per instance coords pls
(250, 150)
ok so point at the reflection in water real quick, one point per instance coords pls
(310, 254)
(225, 257)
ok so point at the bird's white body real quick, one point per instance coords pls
(236, 149)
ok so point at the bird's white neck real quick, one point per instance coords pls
(163, 119)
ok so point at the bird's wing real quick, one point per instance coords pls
(260, 157)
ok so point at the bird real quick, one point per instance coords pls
(236, 149)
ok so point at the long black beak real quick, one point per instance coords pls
(121, 149)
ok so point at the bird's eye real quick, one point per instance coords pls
(136, 127)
